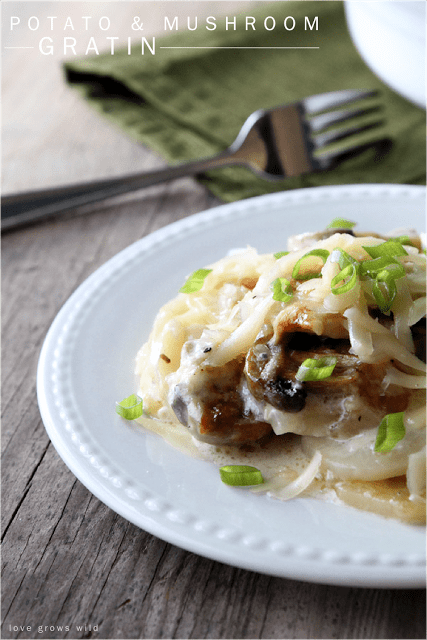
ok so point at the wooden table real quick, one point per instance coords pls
(69, 561)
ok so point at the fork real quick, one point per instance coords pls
(283, 142)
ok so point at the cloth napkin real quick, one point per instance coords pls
(191, 103)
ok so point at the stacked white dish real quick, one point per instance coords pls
(391, 37)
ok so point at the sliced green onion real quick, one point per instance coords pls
(403, 240)
(310, 265)
(342, 257)
(280, 254)
(348, 276)
(282, 290)
(240, 475)
(390, 248)
(390, 431)
(195, 281)
(130, 408)
(384, 286)
(384, 294)
(370, 268)
(341, 223)
(393, 270)
(314, 369)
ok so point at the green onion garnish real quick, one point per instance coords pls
(384, 286)
(314, 369)
(341, 223)
(280, 254)
(348, 277)
(370, 268)
(282, 290)
(395, 271)
(384, 294)
(403, 240)
(130, 408)
(240, 475)
(390, 248)
(390, 431)
(312, 271)
(195, 281)
(342, 257)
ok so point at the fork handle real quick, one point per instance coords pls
(23, 208)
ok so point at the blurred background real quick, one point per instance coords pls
(50, 137)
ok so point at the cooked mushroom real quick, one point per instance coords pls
(213, 406)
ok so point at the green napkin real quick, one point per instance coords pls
(190, 103)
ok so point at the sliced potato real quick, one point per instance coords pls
(389, 498)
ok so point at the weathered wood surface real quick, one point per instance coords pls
(71, 567)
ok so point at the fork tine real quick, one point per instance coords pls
(326, 120)
(335, 99)
(331, 159)
(341, 134)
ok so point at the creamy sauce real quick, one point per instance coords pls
(281, 460)
(177, 436)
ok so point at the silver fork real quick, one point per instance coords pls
(279, 143)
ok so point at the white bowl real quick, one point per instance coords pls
(391, 37)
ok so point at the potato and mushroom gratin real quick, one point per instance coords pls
(323, 343)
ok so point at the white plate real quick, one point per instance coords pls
(87, 362)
